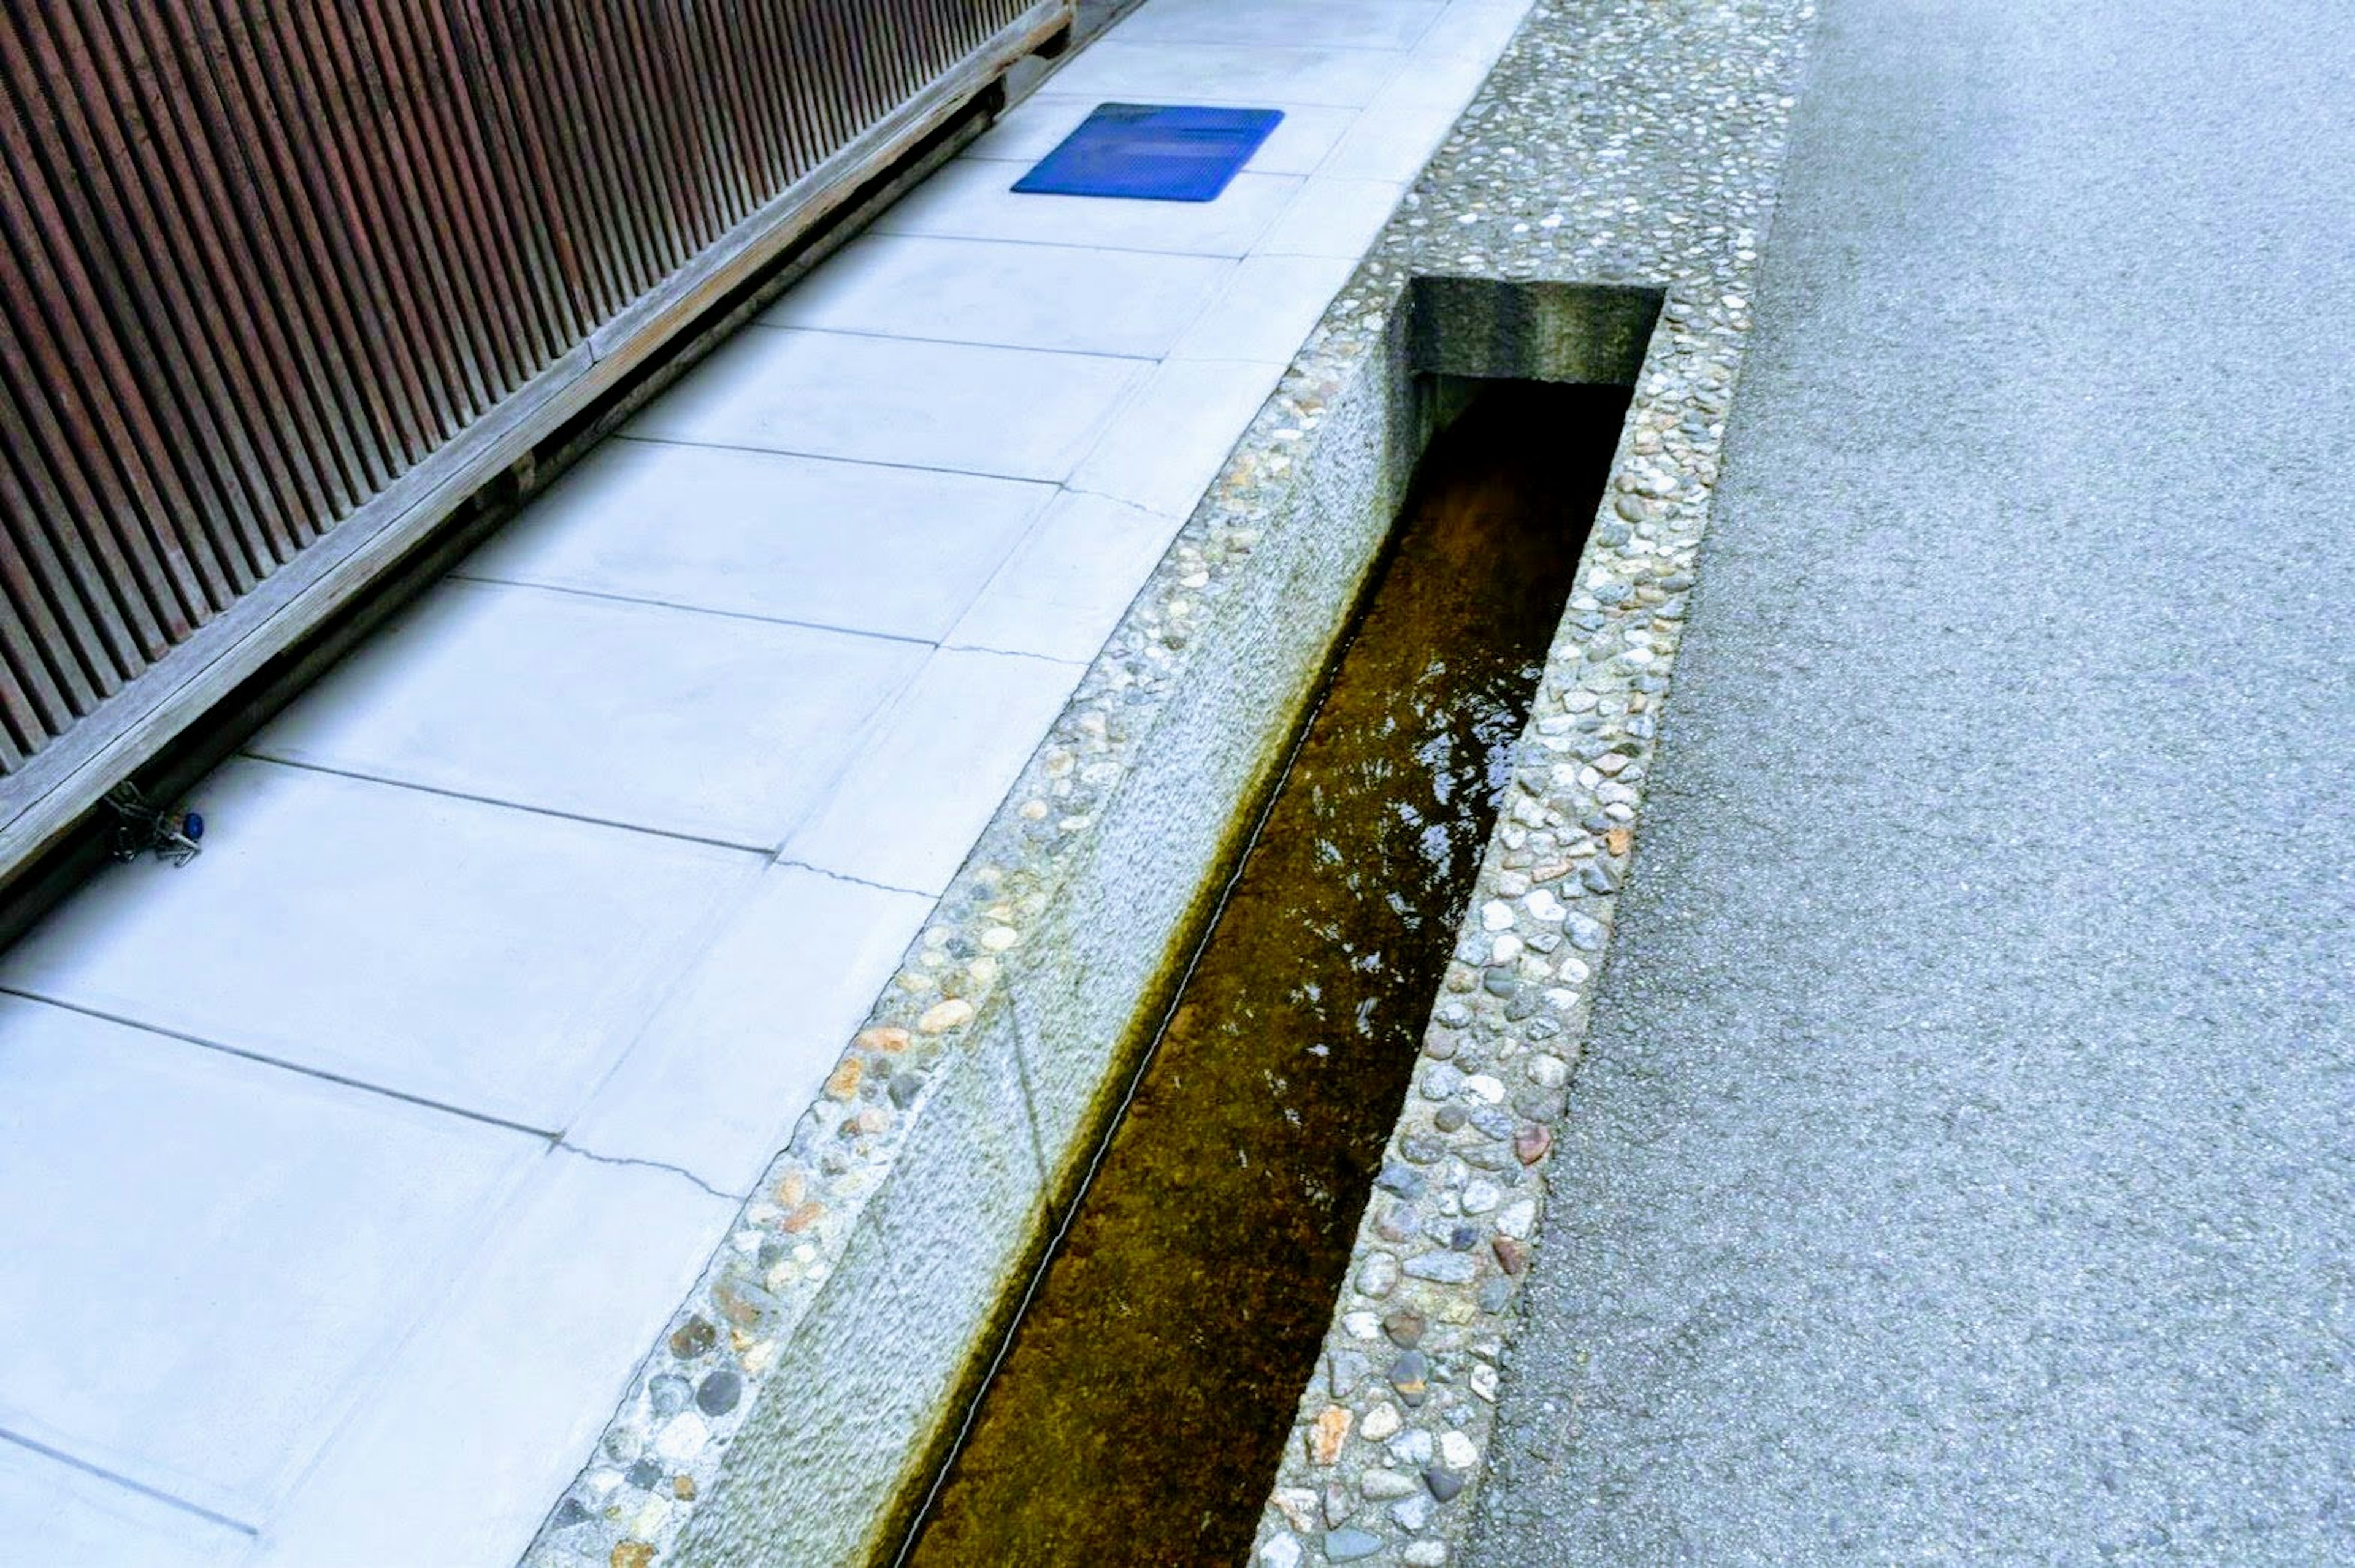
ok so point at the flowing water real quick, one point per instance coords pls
(1138, 1414)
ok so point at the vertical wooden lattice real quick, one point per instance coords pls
(260, 258)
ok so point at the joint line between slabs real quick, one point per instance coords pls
(125, 1482)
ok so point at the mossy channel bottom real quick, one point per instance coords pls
(1138, 1413)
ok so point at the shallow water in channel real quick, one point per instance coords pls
(1139, 1411)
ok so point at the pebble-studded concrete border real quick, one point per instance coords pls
(1630, 140)
(1616, 143)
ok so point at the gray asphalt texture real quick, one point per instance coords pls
(1960, 1170)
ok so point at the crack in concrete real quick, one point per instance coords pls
(569, 1147)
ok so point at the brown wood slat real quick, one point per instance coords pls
(219, 466)
(188, 193)
(248, 180)
(260, 259)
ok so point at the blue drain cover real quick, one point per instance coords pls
(1156, 151)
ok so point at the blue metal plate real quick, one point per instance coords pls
(1152, 152)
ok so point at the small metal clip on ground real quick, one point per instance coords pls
(173, 836)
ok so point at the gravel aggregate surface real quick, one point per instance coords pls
(1958, 1167)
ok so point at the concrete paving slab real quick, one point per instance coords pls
(1473, 33)
(311, 1224)
(899, 553)
(911, 803)
(975, 198)
(1068, 583)
(1266, 308)
(1167, 445)
(740, 1048)
(1167, 72)
(489, 1405)
(1034, 127)
(1015, 412)
(1131, 302)
(1336, 218)
(715, 727)
(1396, 135)
(1335, 24)
(475, 955)
(59, 1514)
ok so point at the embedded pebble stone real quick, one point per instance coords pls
(1348, 1545)
(1585, 932)
(1449, 1118)
(682, 1437)
(1330, 1430)
(1281, 1551)
(692, 1339)
(1445, 1268)
(1412, 1514)
(1382, 1485)
(1531, 1143)
(1480, 1196)
(1378, 1274)
(1405, 1328)
(1517, 1219)
(719, 1392)
(1444, 1483)
(1412, 1449)
(944, 1015)
(1425, 1554)
(1457, 1452)
(1382, 1423)
(669, 1393)
(1410, 1375)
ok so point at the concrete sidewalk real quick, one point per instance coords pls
(347, 1173)
(1960, 1169)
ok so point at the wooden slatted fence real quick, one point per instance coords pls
(281, 278)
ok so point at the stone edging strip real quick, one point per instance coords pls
(798, 1397)
(1633, 144)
